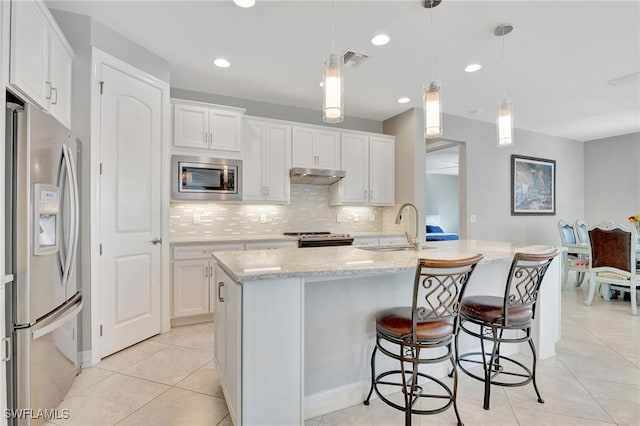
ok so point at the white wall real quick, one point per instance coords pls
(442, 199)
(612, 179)
(4, 71)
(83, 33)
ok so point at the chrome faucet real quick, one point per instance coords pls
(416, 242)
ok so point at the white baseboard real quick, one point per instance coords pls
(335, 399)
(85, 359)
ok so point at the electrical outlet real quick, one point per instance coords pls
(472, 218)
(196, 219)
(263, 218)
(340, 218)
(356, 217)
(372, 217)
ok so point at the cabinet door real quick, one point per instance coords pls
(304, 141)
(30, 51)
(226, 127)
(219, 325)
(381, 171)
(253, 164)
(191, 287)
(228, 341)
(60, 62)
(191, 126)
(328, 150)
(355, 161)
(277, 162)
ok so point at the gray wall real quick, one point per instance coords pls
(279, 112)
(442, 199)
(83, 33)
(489, 182)
(612, 179)
(410, 161)
(488, 177)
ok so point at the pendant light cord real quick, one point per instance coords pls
(432, 42)
(504, 71)
(333, 42)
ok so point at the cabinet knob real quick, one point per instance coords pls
(156, 241)
(54, 101)
(49, 88)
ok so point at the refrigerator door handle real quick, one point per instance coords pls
(65, 171)
(75, 209)
(56, 321)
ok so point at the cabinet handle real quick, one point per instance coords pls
(210, 139)
(54, 90)
(365, 194)
(49, 89)
(370, 193)
(7, 349)
(220, 298)
(210, 271)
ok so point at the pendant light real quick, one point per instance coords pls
(332, 84)
(504, 122)
(432, 99)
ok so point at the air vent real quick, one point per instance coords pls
(352, 59)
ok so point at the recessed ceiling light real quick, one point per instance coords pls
(403, 100)
(222, 63)
(380, 40)
(244, 3)
(472, 67)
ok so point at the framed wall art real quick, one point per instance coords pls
(533, 186)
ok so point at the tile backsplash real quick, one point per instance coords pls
(309, 211)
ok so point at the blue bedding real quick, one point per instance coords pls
(435, 233)
(442, 236)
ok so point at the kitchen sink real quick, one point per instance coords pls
(387, 248)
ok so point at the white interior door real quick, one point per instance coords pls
(130, 206)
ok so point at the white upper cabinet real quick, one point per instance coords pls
(205, 126)
(316, 148)
(60, 63)
(369, 162)
(267, 160)
(41, 59)
(381, 171)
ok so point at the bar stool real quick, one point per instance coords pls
(493, 315)
(409, 333)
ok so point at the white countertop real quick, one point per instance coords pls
(352, 261)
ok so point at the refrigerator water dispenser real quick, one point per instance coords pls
(46, 207)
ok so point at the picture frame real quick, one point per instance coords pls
(533, 186)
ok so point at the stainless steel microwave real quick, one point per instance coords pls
(204, 178)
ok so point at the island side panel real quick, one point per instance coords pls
(546, 328)
(272, 352)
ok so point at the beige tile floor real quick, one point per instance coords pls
(170, 379)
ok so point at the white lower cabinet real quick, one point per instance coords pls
(267, 161)
(228, 341)
(194, 278)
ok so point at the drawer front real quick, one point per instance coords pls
(270, 245)
(204, 251)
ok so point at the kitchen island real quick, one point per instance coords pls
(295, 328)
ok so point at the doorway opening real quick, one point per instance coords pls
(446, 186)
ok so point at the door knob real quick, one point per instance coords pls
(156, 241)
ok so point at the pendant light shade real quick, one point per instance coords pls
(432, 100)
(432, 110)
(505, 123)
(333, 86)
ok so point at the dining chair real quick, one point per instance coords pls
(574, 258)
(612, 264)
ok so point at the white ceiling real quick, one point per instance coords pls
(559, 58)
(443, 161)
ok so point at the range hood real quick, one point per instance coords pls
(315, 176)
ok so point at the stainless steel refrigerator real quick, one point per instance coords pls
(42, 224)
